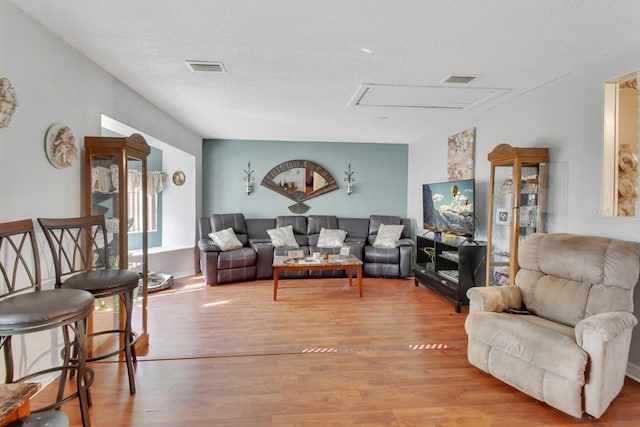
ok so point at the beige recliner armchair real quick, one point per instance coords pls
(571, 351)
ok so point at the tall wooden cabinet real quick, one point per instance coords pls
(517, 203)
(116, 186)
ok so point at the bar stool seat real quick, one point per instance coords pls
(38, 311)
(103, 282)
(42, 419)
(26, 308)
(80, 249)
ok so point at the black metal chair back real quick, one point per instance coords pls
(19, 258)
(77, 244)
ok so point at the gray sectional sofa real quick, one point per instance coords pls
(254, 260)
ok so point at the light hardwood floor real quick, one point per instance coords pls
(231, 356)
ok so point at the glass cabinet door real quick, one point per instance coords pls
(117, 171)
(136, 238)
(105, 200)
(500, 236)
(517, 205)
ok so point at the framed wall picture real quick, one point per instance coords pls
(502, 216)
(461, 154)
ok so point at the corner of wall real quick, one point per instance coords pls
(633, 371)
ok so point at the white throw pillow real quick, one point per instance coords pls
(388, 236)
(225, 239)
(331, 238)
(283, 237)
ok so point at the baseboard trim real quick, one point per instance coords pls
(633, 371)
(181, 274)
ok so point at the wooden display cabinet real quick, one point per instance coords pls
(111, 167)
(517, 203)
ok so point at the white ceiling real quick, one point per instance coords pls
(295, 68)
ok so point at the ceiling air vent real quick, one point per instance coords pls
(460, 80)
(205, 66)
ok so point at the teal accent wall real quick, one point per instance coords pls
(380, 185)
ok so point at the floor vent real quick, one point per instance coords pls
(320, 350)
(427, 346)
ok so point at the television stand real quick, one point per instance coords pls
(450, 267)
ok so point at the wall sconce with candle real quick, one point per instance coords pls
(349, 179)
(249, 178)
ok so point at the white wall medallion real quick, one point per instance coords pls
(8, 102)
(60, 145)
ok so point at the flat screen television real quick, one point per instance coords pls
(449, 207)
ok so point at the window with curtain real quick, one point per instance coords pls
(134, 201)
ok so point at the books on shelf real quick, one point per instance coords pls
(450, 255)
(449, 274)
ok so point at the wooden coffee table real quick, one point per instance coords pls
(348, 263)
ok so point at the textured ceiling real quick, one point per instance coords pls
(293, 67)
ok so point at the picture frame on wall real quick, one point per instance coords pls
(502, 216)
(461, 155)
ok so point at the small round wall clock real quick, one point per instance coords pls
(179, 178)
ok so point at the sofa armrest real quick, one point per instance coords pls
(209, 262)
(207, 245)
(405, 242)
(494, 298)
(264, 252)
(405, 246)
(606, 326)
(606, 338)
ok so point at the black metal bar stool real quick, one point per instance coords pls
(80, 252)
(26, 308)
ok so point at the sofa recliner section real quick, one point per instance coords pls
(388, 262)
(226, 266)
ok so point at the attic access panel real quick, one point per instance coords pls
(457, 98)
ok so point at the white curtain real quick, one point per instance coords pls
(134, 194)
(155, 181)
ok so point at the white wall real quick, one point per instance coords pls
(567, 117)
(55, 83)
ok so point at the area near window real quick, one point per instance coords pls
(621, 141)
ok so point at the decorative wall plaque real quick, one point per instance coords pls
(8, 102)
(179, 178)
(60, 145)
(299, 180)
